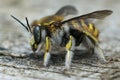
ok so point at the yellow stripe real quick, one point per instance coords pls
(95, 39)
(91, 26)
(96, 33)
(75, 24)
(47, 24)
(82, 23)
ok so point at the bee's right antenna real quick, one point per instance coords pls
(20, 22)
(28, 25)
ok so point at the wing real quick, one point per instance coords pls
(81, 23)
(66, 10)
(94, 15)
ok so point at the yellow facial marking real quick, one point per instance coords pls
(32, 41)
(36, 46)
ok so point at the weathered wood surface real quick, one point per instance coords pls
(26, 66)
(18, 63)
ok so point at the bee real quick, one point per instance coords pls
(53, 31)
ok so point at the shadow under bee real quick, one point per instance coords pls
(60, 56)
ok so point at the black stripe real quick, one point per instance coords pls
(65, 39)
(77, 35)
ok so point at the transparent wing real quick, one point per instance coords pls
(94, 15)
(81, 23)
(66, 10)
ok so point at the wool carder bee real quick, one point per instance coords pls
(53, 31)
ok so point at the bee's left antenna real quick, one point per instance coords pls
(20, 22)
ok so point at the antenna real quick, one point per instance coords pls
(28, 24)
(20, 22)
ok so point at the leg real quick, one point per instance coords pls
(88, 44)
(94, 47)
(47, 49)
(40, 49)
(69, 55)
(99, 53)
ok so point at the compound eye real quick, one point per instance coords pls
(37, 34)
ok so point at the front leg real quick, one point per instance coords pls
(69, 55)
(40, 49)
(47, 51)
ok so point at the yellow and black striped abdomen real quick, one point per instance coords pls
(85, 27)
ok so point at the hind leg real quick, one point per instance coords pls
(99, 52)
(94, 48)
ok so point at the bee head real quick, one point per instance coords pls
(36, 38)
(36, 33)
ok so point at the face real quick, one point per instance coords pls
(36, 38)
(33, 44)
